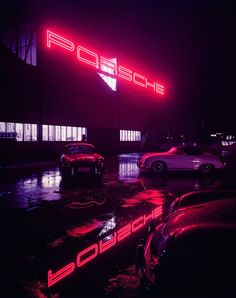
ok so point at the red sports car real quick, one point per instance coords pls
(81, 157)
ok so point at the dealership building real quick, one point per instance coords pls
(60, 86)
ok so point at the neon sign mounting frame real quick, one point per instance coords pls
(103, 64)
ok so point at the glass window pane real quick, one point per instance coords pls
(85, 132)
(125, 135)
(63, 133)
(74, 133)
(34, 132)
(45, 132)
(27, 132)
(79, 138)
(2, 126)
(51, 136)
(19, 132)
(139, 135)
(58, 133)
(10, 127)
(129, 135)
(68, 133)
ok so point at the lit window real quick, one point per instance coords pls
(63, 133)
(58, 133)
(69, 133)
(125, 135)
(79, 136)
(84, 133)
(51, 136)
(19, 132)
(74, 133)
(34, 132)
(130, 135)
(10, 127)
(138, 136)
(2, 127)
(27, 132)
(45, 132)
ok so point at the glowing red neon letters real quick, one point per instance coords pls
(103, 64)
(91, 252)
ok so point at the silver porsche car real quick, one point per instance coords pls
(180, 158)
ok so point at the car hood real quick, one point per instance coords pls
(212, 212)
(82, 157)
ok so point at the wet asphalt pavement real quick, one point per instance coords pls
(77, 238)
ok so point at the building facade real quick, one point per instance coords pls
(56, 89)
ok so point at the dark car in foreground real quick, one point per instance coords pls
(81, 157)
(193, 252)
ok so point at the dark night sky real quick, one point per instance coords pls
(189, 45)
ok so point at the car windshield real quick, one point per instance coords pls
(186, 150)
(80, 149)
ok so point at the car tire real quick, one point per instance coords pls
(158, 167)
(206, 168)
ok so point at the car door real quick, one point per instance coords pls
(179, 160)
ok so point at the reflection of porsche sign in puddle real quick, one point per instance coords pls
(91, 252)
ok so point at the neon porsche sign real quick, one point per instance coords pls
(108, 66)
(91, 252)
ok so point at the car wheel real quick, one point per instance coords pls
(158, 167)
(206, 168)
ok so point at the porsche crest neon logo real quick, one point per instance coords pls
(102, 64)
(91, 252)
